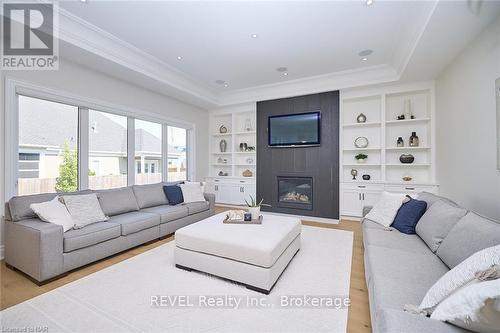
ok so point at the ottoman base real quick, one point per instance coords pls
(261, 279)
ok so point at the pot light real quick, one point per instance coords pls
(226, 85)
(84, 1)
(364, 59)
(179, 58)
(254, 35)
(369, 2)
(285, 73)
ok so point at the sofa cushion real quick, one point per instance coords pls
(471, 234)
(174, 194)
(168, 213)
(437, 222)
(396, 321)
(117, 201)
(431, 198)
(367, 223)
(150, 195)
(408, 215)
(135, 221)
(19, 206)
(197, 207)
(90, 235)
(393, 239)
(417, 268)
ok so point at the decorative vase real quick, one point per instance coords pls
(255, 211)
(354, 173)
(407, 109)
(400, 142)
(361, 118)
(414, 139)
(223, 146)
(248, 125)
(223, 129)
(407, 158)
(361, 160)
(247, 173)
(366, 177)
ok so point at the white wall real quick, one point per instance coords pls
(466, 126)
(81, 81)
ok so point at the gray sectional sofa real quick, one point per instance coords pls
(137, 215)
(401, 268)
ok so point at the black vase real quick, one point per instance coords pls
(366, 177)
(407, 158)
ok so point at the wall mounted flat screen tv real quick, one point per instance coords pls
(295, 130)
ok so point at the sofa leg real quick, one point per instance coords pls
(259, 290)
(184, 268)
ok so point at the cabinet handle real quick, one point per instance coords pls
(216, 187)
(242, 181)
(361, 186)
(410, 188)
(363, 196)
(216, 180)
(359, 195)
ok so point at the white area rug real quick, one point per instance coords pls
(118, 298)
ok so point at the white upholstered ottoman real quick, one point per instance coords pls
(252, 254)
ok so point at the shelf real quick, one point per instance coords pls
(362, 124)
(221, 134)
(245, 164)
(244, 152)
(363, 164)
(409, 165)
(407, 148)
(360, 149)
(407, 121)
(221, 164)
(246, 132)
(226, 153)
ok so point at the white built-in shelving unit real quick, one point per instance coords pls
(381, 106)
(241, 128)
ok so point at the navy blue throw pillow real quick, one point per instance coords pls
(174, 194)
(408, 215)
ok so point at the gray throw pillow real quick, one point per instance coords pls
(431, 198)
(471, 234)
(437, 222)
(84, 209)
(117, 201)
(150, 195)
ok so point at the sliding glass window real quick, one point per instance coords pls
(48, 147)
(107, 150)
(177, 157)
(148, 152)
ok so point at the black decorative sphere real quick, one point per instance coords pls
(407, 158)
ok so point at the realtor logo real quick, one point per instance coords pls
(29, 39)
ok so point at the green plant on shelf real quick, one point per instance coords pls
(361, 157)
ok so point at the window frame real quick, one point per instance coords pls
(14, 88)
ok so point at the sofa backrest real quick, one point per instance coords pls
(150, 195)
(19, 206)
(431, 198)
(117, 201)
(472, 233)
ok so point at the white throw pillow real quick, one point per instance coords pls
(386, 209)
(197, 183)
(84, 209)
(460, 275)
(192, 192)
(475, 307)
(54, 211)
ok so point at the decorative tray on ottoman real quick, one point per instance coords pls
(236, 217)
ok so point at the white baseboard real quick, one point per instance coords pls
(1, 252)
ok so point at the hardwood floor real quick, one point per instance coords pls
(17, 288)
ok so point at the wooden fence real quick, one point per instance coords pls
(47, 185)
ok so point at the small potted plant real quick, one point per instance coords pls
(361, 158)
(254, 207)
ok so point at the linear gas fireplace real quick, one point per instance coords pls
(295, 192)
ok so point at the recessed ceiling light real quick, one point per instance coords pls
(281, 69)
(364, 59)
(179, 58)
(220, 82)
(83, 1)
(254, 35)
(226, 85)
(369, 2)
(285, 73)
(365, 53)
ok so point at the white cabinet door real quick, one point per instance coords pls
(370, 198)
(351, 203)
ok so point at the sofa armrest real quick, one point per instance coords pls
(366, 210)
(210, 197)
(35, 248)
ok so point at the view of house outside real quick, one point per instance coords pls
(48, 149)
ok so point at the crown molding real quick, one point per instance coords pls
(86, 36)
